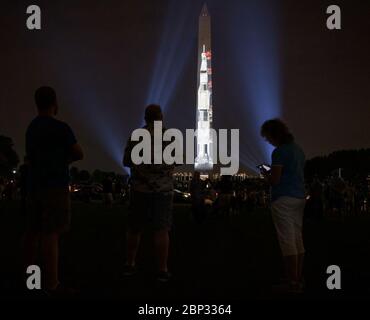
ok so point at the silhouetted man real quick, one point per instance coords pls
(50, 146)
(151, 201)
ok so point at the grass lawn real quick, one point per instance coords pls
(232, 258)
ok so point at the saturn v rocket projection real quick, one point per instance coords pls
(203, 159)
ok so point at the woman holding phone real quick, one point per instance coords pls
(286, 178)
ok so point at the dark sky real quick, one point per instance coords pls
(101, 57)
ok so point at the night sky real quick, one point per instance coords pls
(108, 59)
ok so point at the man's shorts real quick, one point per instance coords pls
(48, 210)
(153, 210)
(287, 214)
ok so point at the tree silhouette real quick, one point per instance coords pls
(355, 165)
(8, 157)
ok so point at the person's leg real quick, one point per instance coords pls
(140, 204)
(56, 221)
(162, 243)
(300, 260)
(50, 258)
(30, 242)
(133, 242)
(300, 253)
(299, 238)
(162, 224)
(285, 227)
(291, 268)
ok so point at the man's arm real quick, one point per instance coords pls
(76, 153)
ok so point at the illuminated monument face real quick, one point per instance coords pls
(203, 160)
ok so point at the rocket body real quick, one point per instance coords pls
(204, 151)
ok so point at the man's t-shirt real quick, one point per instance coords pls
(291, 184)
(48, 145)
(149, 178)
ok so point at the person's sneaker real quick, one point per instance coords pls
(163, 276)
(129, 271)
